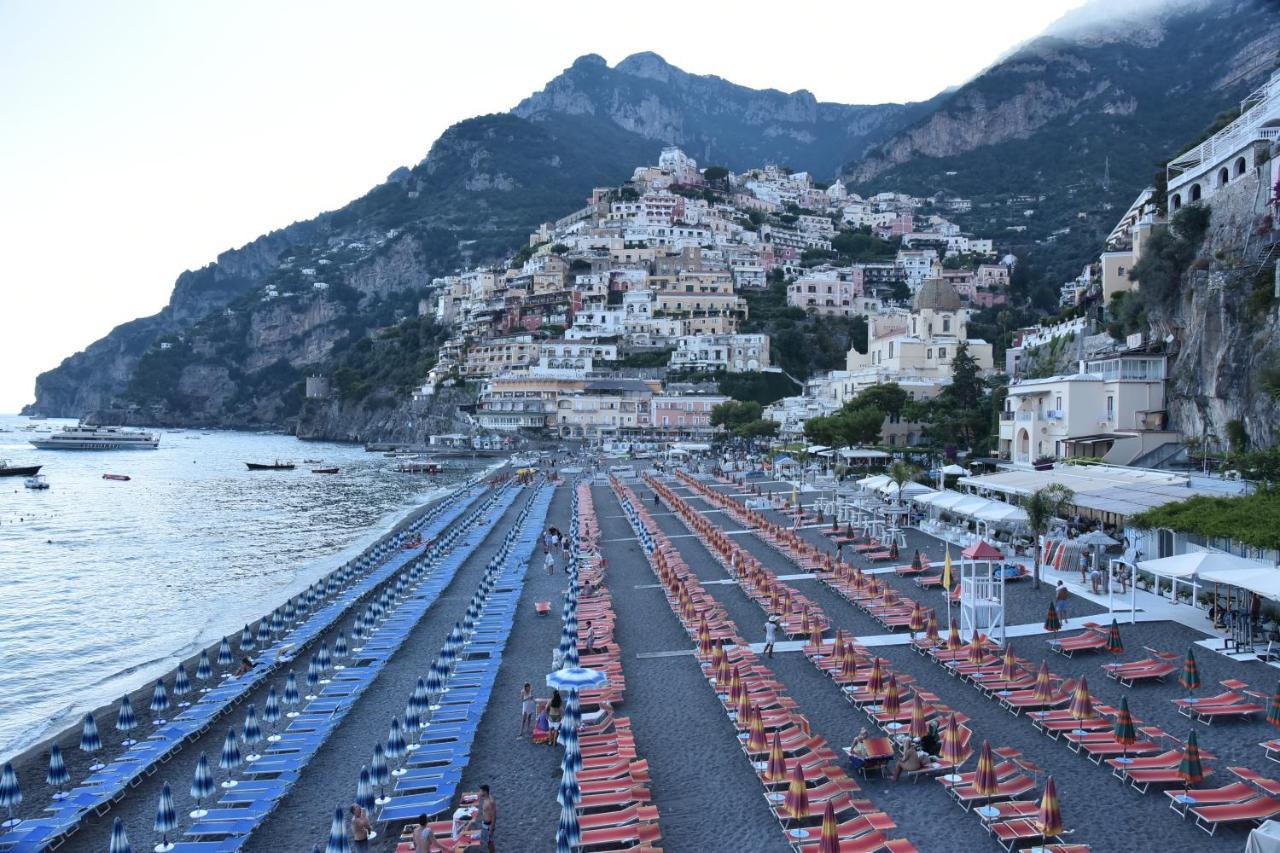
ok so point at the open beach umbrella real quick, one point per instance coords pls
(776, 767)
(252, 733)
(1044, 684)
(126, 721)
(271, 713)
(568, 834)
(230, 758)
(1189, 768)
(796, 803)
(1114, 643)
(291, 697)
(246, 640)
(201, 785)
(395, 745)
(57, 774)
(568, 679)
(364, 790)
(181, 684)
(204, 671)
(1050, 816)
(1190, 678)
(892, 702)
(159, 701)
(224, 654)
(1273, 711)
(953, 636)
(379, 773)
(829, 841)
(1052, 622)
(985, 783)
(1123, 729)
(338, 841)
(166, 819)
(919, 726)
(10, 794)
(119, 838)
(91, 741)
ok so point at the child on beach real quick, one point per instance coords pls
(527, 708)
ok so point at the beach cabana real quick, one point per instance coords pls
(982, 591)
(1192, 566)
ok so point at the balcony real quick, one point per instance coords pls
(1025, 417)
(1055, 414)
(1006, 416)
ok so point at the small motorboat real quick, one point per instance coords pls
(312, 461)
(8, 469)
(270, 466)
(324, 470)
(122, 477)
(36, 482)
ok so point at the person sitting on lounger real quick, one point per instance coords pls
(542, 729)
(909, 760)
(858, 750)
(424, 840)
(245, 666)
(931, 744)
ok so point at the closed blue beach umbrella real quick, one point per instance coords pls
(435, 683)
(395, 746)
(379, 773)
(201, 785)
(224, 654)
(271, 712)
(323, 657)
(313, 677)
(412, 722)
(364, 791)
(277, 621)
(569, 793)
(126, 721)
(419, 697)
(230, 758)
(338, 842)
(340, 650)
(252, 733)
(246, 640)
(290, 613)
(568, 834)
(57, 775)
(291, 697)
(204, 671)
(264, 633)
(159, 701)
(571, 658)
(119, 838)
(10, 794)
(91, 741)
(181, 684)
(357, 630)
(302, 606)
(166, 819)
(331, 584)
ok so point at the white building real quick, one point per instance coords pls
(732, 353)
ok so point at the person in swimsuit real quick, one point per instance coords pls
(487, 817)
(424, 840)
(359, 830)
(527, 709)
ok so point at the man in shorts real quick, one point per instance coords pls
(487, 816)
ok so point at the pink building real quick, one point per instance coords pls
(673, 412)
(988, 298)
(834, 297)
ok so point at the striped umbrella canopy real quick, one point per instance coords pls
(246, 640)
(985, 782)
(323, 657)
(10, 793)
(569, 792)
(166, 819)
(1124, 732)
(571, 659)
(1009, 670)
(125, 720)
(1081, 707)
(875, 681)
(916, 563)
(338, 841)
(379, 773)
(364, 790)
(331, 583)
(357, 629)
(340, 650)
(568, 834)
(412, 723)
(230, 758)
(796, 803)
(252, 732)
(1189, 768)
(1044, 683)
(931, 626)
(977, 648)
(892, 702)
(90, 740)
(1190, 678)
(159, 699)
(757, 741)
(572, 749)
(849, 665)
(1050, 817)
(181, 683)
(704, 637)
(119, 838)
(1114, 643)
(204, 671)
(419, 697)
(724, 671)
(839, 645)
(952, 746)
(735, 686)
(916, 623)
(302, 605)
(776, 767)
(57, 774)
(224, 654)
(277, 621)
(919, 726)
(264, 632)
(313, 676)
(271, 711)
(1052, 622)
(291, 697)
(829, 841)
(1273, 711)
(395, 745)
(953, 636)
(568, 679)
(290, 612)
(201, 785)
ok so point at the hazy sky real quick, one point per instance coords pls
(139, 139)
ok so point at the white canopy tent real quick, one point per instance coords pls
(1194, 567)
(860, 453)
(872, 484)
(909, 490)
(1263, 581)
(1000, 512)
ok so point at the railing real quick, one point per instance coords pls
(1025, 416)
(1006, 416)
(1262, 105)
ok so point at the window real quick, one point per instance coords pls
(1057, 403)
(929, 353)
(946, 325)
(942, 352)
(1111, 406)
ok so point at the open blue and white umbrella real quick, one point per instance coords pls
(10, 794)
(166, 819)
(291, 697)
(364, 790)
(204, 671)
(264, 633)
(181, 684)
(126, 721)
(91, 741)
(313, 677)
(224, 654)
(340, 650)
(159, 702)
(230, 758)
(271, 713)
(395, 746)
(568, 834)
(379, 773)
(119, 838)
(57, 775)
(252, 733)
(201, 785)
(246, 640)
(576, 678)
(338, 842)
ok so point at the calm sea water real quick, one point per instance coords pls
(104, 585)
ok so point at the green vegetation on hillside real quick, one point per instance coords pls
(1252, 519)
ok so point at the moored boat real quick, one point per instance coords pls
(36, 482)
(270, 466)
(83, 437)
(426, 466)
(324, 470)
(8, 469)
(122, 477)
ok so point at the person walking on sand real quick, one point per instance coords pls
(550, 562)
(487, 817)
(359, 829)
(1060, 599)
(770, 635)
(424, 839)
(527, 708)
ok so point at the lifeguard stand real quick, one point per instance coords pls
(982, 592)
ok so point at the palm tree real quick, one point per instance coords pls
(902, 473)
(1042, 507)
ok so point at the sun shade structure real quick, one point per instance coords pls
(91, 741)
(338, 841)
(166, 819)
(57, 774)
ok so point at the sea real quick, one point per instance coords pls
(105, 585)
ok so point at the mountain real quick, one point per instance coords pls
(1078, 121)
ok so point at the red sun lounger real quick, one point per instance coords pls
(1253, 811)
(1236, 792)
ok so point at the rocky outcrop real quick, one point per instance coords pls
(408, 422)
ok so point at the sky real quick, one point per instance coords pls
(141, 139)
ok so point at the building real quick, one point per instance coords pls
(603, 408)
(575, 355)
(828, 295)
(516, 401)
(500, 355)
(1116, 267)
(731, 353)
(684, 414)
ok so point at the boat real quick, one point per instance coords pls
(36, 482)
(424, 467)
(83, 437)
(122, 477)
(324, 470)
(312, 461)
(271, 466)
(8, 469)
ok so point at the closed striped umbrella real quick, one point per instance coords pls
(119, 838)
(839, 645)
(291, 697)
(364, 790)
(166, 819)
(340, 650)
(1044, 684)
(916, 623)
(1052, 622)
(875, 681)
(919, 726)
(931, 626)
(271, 713)
(1009, 669)
(357, 631)
(277, 621)
(395, 745)
(735, 686)
(338, 841)
(569, 793)
(1190, 678)
(125, 720)
(323, 658)
(159, 701)
(290, 612)
(1081, 707)
(829, 842)
(379, 773)
(246, 640)
(229, 760)
(1273, 711)
(313, 677)
(181, 684)
(224, 654)
(953, 636)
(796, 803)
(704, 637)
(252, 733)
(1124, 732)
(568, 834)
(91, 741)
(419, 698)
(849, 665)
(57, 774)
(264, 632)
(1050, 817)
(892, 703)
(757, 740)
(776, 767)
(1114, 643)
(201, 785)
(1189, 768)
(10, 794)
(985, 782)
(977, 648)
(204, 671)
(412, 723)
(952, 743)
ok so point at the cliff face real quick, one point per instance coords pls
(408, 422)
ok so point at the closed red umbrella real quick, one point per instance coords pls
(931, 627)
(985, 782)
(1044, 684)
(875, 681)
(1050, 817)
(916, 623)
(796, 803)
(892, 703)
(830, 841)
(776, 769)
(953, 638)
(1009, 671)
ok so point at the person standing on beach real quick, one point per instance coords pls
(487, 817)
(1060, 599)
(359, 829)
(527, 708)
(770, 635)
(550, 562)
(424, 839)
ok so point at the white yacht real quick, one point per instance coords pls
(98, 438)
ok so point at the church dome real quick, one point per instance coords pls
(937, 295)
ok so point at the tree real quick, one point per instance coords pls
(715, 174)
(862, 425)
(966, 385)
(735, 413)
(1042, 507)
(888, 397)
(902, 473)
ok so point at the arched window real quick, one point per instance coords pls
(1240, 166)
(1176, 201)
(1223, 176)
(1195, 192)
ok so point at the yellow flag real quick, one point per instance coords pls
(946, 570)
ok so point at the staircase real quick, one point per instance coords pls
(1160, 456)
